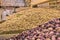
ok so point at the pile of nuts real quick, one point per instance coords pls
(47, 31)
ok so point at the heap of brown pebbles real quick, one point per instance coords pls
(47, 31)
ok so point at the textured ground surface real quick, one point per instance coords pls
(27, 19)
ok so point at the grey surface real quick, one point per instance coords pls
(13, 3)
